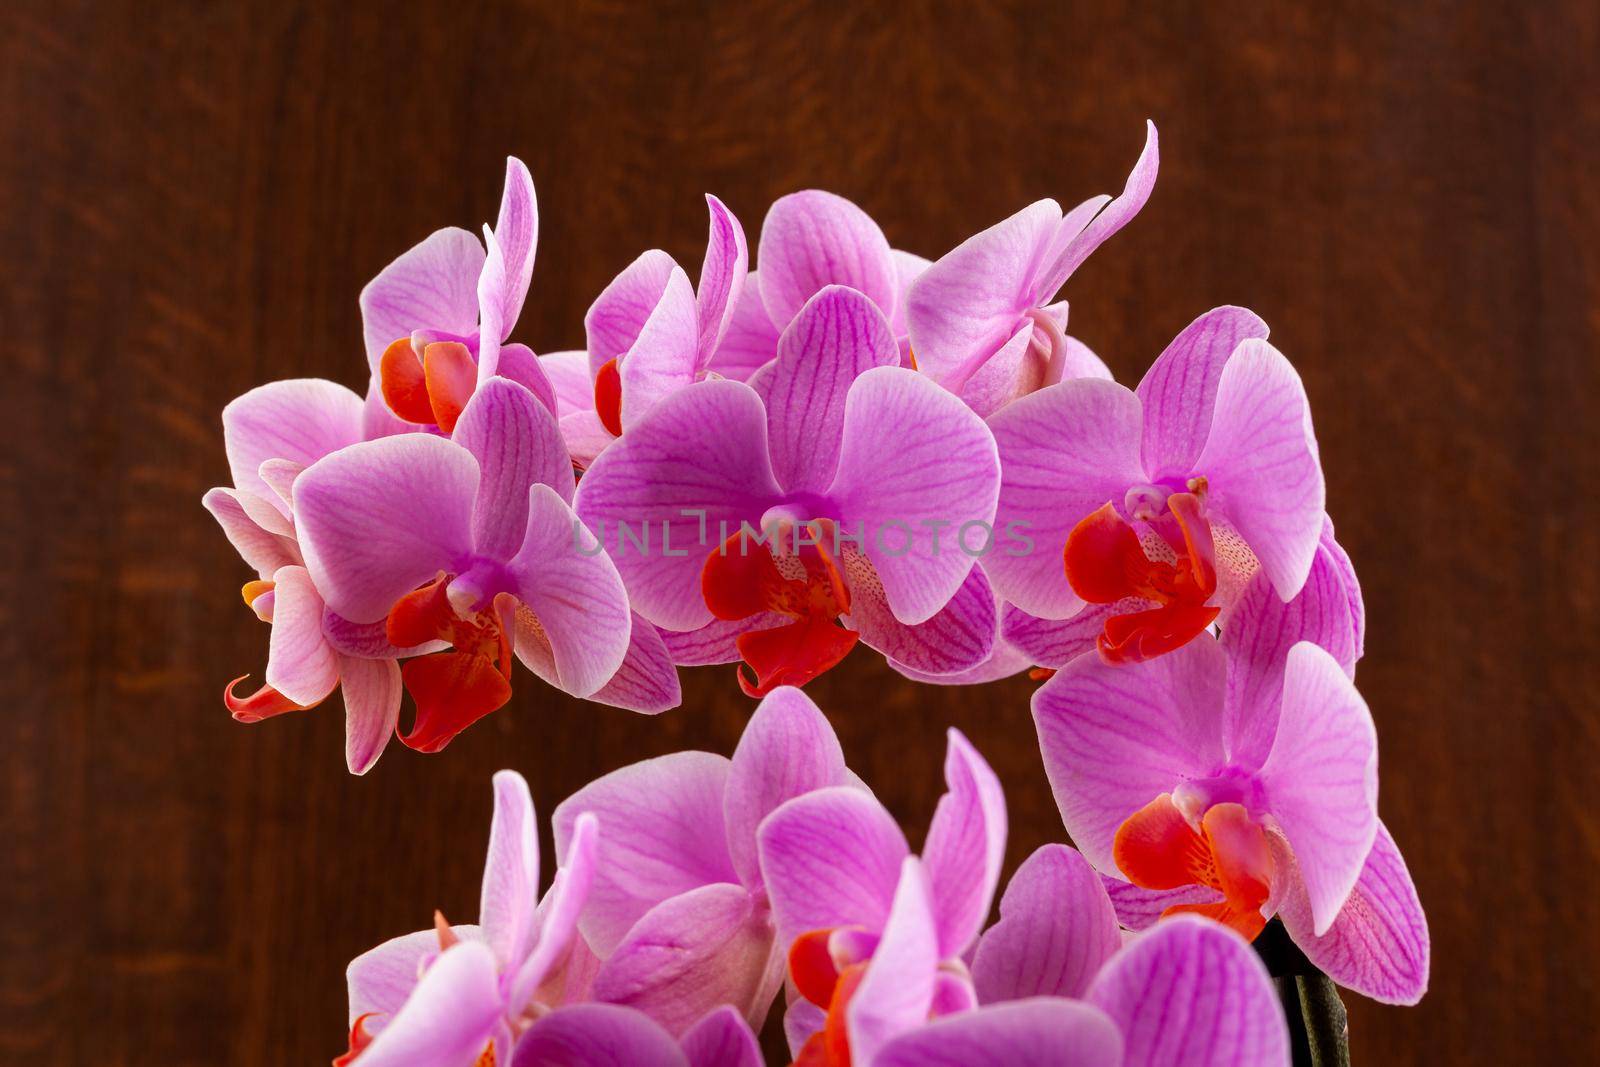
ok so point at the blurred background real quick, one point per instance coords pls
(192, 195)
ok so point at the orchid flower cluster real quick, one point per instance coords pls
(839, 444)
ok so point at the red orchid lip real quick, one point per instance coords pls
(741, 578)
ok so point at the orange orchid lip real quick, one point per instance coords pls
(1157, 848)
(430, 389)
(264, 703)
(1106, 563)
(452, 689)
(742, 578)
(608, 397)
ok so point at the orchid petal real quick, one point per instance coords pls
(700, 459)
(896, 992)
(837, 336)
(1115, 737)
(511, 872)
(1259, 631)
(1179, 391)
(260, 549)
(655, 845)
(516, 232)
(722, 1039)
(965, 847)
(521, 365)
(917, 460)
(691, 953)
(957, 638)
(557, 919)
(378, 519)
(1055, 642)
(1262, 465)
(450, 1016)
(1138, 908)
(787, 750)
(813, 239)
(301, 420)
(1378, 944)
(750, 340)
(597, 1035)
(1191, 991)
(722, 276)
(433, 285)
(381, 979)
(574, 592)
(1068, 255)
(300, 663)
(830, 858)
(569, 376)
(1321, 778)
(371, 689)
(965, 307)
(1064, 452)
(662, 358)
(517, 444)
(647, 681)
(1052, 1030)
(1056, 929)
(615, 319)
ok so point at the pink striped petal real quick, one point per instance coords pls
(836, 337)
(722, 276)
(751, 340)
(1042, 1030)
(1139, 909)
(1074, 246)
(1056, 929)
(300, 663)
(1191, 991)
(1378, 944)
(693, 952)
(1179, 391)
(1115, 738)
(431, 286)
(450, 1016)
(1321, 778)
(516, 232)
(699, 460)
(1262, 465)
(647, 681)
(965, 847)
(814, 239)
(510, 891)
(262, 550)
(1064, 452)
(914, 461)
(787, 750)
(896, 992)
(371, 689)
(968, 305)
(830, 858)
(517, 444)
(722, 1039)
(301, 420)
(598, 1035)
(958, 638)
(378, 519)
(654, 817)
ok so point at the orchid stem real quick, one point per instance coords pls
(1327, 1026)
(1319, 1029)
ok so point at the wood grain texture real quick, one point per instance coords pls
(192, 194)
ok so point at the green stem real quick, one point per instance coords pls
(1319, 1030)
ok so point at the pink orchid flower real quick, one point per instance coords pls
(462, 996)
(272, 434)
(1159, 504)
(679, 912)
(1056, 986)
(834, 861)
(809, 241)
(649, 334)
(981, 319)
(854, 463)
(1238, 779)
(436, 319)
(609, 1035)
(470, 541)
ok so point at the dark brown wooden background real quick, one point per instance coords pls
(191, 196)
